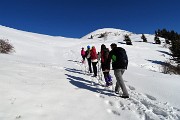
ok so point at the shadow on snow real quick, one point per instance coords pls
(167, 53)
(74, 61)
(86, 84)
(74, 70)
(157, 62)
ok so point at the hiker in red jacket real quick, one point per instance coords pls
(94, 60)
(83, 54)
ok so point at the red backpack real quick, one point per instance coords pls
(93, 53)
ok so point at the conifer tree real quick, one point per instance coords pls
(172, 38)
(156, 39)
(144, 38)
(167, 41)
(128, 40)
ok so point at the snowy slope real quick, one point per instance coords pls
(44, 79)
(111, 32)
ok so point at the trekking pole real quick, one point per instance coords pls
(98, 69)
(100, 72)
(99, 65)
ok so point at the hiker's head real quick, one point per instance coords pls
(88, 47)
(82, 48)
(93, 47)
(113, 45)
(103, 47)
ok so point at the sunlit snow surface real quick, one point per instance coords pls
(44, 79)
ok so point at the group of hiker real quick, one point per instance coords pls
(119, 60)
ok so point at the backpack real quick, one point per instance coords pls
(120, 57)
(104, 55)
(93, 54)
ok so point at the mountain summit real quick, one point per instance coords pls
(110, 32)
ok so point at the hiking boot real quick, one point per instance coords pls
(94, 76)
(117, 92)
(124, 96)
(110, 83)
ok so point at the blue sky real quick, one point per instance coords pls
(76, 18)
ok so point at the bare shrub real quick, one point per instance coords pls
(169, 68)
(5, 46)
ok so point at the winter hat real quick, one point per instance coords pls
(113, 45)
(88, 47)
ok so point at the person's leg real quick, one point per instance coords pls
(109, 78)
(117, 82)
(83, 58)
(105, 77)
(104, 73)
(94, 68)
(120, 83)
(89, 64)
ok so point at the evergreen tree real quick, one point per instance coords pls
(128, 40)
(173, 38)
(167, 41)
(175, 49)
(91, 37)
(144, 38)
(156, 39)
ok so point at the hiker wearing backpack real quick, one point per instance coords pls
(83, 53)
(94, 60)
(88, 56)
(104, 65)
(119, 65)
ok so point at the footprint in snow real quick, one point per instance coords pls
(100, 96)
(176, 109)
(109, 103)
(113, 112)
(131, 88)
(151, 97)
(121, 104)
(12, 100)
(18, 117)
(159, 111)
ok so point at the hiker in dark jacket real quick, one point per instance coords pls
(119, 65)
(104, 64)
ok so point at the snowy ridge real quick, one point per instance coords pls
(110, 31)
(45, 79)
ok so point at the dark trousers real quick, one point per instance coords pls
(94, 68)
(89, 64)
(83, 57)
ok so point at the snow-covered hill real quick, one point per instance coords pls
(109, 31)
(44, 79)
